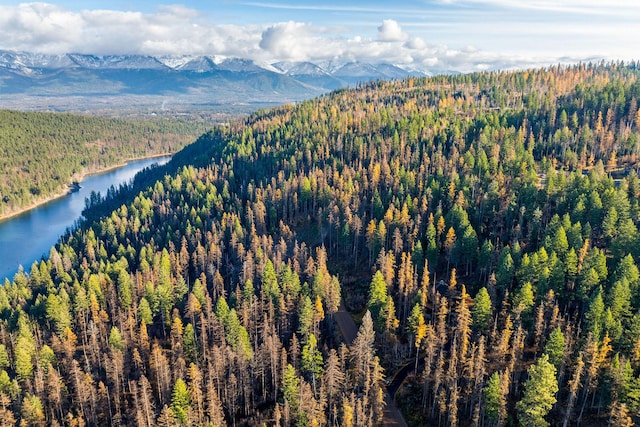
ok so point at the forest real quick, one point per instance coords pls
(41, 154)
(481, 229)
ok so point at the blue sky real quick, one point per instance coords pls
(463, 35)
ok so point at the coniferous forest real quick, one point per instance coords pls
(482, 229)
(41, 153)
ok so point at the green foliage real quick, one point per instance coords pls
(190, 342)
(4, 357)
(180, 401)
(481, 311)
(523, 300)
(594, 317)
(291, 387)
(116, 342)
(494, 399)
(555, 347)
(32, 410)
(44, 152)
(144, 312)
(627, 269)
(378, 297)
(46, 358)
(506, 269)
(270, 285)
(24, 351)
(7, 386)
(311, 357)
(57, 311)
(222, 309)
(305, 319)
(415, 319)
(539, 394)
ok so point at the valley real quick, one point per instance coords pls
(27, 236)
(44, 153)
(170, 85)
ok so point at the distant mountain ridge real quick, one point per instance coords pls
(51, 80)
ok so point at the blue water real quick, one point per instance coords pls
(27, 237)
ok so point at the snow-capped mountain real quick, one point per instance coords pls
(200, 64)
(29, 63)
(300, 68)
(189, 78)
(110, 62)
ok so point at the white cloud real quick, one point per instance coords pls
(46, 28)
(415, 44)
(179, 30)
(390, 31)
(39, 24)
(288, 41)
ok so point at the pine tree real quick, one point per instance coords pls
(144, 312)
(270, 285)
(32, 411)
(180, 401)
(312, 360)
(4, 357)
(378, 297)
(291, 388)
(539, 394)
(554, 348)
(481, 310)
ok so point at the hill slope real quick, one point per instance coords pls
(208, 296)
(43, 152)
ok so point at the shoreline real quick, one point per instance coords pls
(76, 179)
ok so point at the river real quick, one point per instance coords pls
(27, 237)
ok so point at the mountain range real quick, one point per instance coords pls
(81, 82)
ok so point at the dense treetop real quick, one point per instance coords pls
(483, 227)
(41, 153)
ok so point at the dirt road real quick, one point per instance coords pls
(348, 329)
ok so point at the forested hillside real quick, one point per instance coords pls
(482, 228)
(41, 153)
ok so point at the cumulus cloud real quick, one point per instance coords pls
(288, 41)
(46, 28)
(416, 43)
(39, 24)
(390, 31)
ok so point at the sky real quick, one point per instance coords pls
(431, 35)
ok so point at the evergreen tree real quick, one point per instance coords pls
(312, 359)
(481, 310)
(180, 401)
(555, 347)
(378, 296)
(291, 388)
(539, 394)
(494, 400)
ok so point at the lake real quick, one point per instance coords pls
(27, 237)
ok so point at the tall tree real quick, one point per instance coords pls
(494, 401)
(481, 310)
(539, 393)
